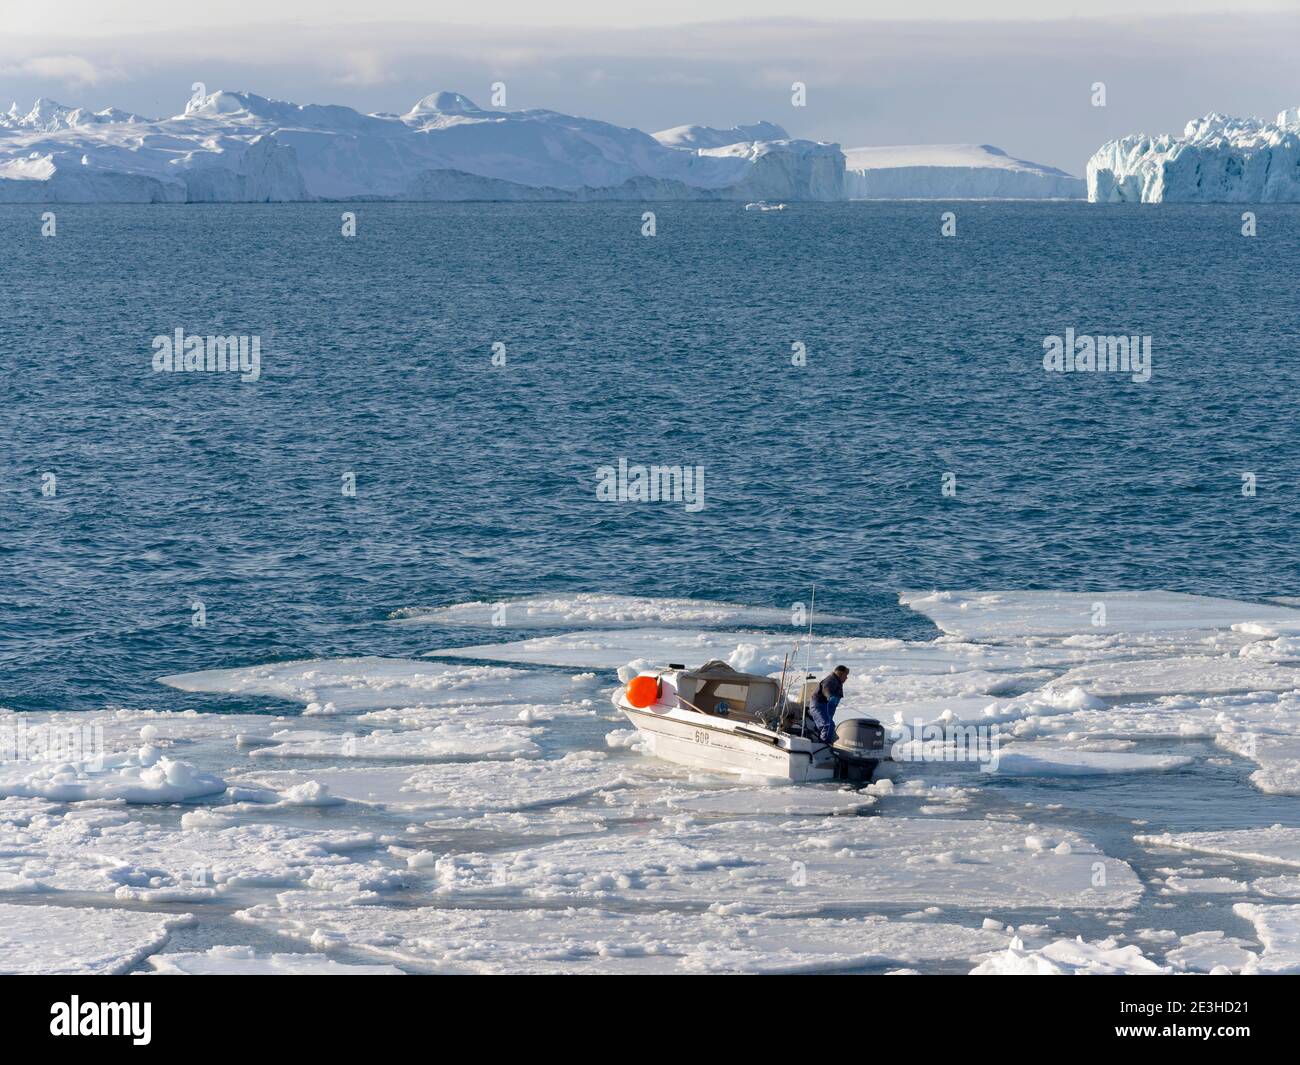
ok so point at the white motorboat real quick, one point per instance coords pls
(717, 718)
(763, 205)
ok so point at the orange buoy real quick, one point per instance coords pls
(642, 691)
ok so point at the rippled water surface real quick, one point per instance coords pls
(478, 481)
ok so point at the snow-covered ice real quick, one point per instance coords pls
(1045, 761)
(1278, 928)
(1000, 615)
(144, 776)
(456, 790)
(418, 813)
(355, 685)
(450, 741)
(809, 865)
(604, 611)
(1276, 845)
(79, 940)
(245, 961)
(1067, 957)
(586, 940)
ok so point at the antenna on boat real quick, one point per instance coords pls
(807, 658)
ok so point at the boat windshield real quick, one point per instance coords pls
(716, 688)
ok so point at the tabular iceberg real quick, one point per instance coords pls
(1218, 159)
(230, 146)
(952, 172)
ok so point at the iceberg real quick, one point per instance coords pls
(1218, 159)
(952, 172)
(240, 147)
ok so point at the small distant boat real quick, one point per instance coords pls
(763, 205)
(718, 718)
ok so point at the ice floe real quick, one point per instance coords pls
(1276, 845)
(354, 685)
(1205, 951)
(1182, 676)
(40, 940)
(464, 790)
(1278, 928)
(1070, 957)
(1032, 760)
(584, 940)
(809, 865)
(604, 611)
(245, 961)
(1002, 615)
(451, 741)
(760, 653)
(143, 776)
(105, 851)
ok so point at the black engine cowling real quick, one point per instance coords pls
(859, 747)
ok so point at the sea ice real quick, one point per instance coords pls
(809, 865)
(451, 741)
(354, 685)
(1202, 951)
(245, 961)
(144, 776)
(1002, 615)
(584, 940)
(460, 790)
(1182, 676)
(1278, 928)
(760, 653)
(1033, 760)
(1277, 845)
(79, 940)
(603, 611)
(1070, 957)
(104, 851)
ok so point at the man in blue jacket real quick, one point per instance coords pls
(824, 701)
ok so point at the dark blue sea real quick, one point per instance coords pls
(478, 481)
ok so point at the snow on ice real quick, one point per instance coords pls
(586, 940)
(79, 940)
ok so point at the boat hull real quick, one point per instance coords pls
(724, 747)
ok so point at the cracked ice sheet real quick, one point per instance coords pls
(1276, 845)
(143, 776)
(1002, 615)
(602, 611)
(1067, 957)
(355, 685)
(79, 940)
(808, 866)
(1202, 951)
(595, 941)
(1278, 758)
(1035, 760)
(452, 741)
(1181, 676)
(454, 791)
(100, 850)
(245, 961)
(754, 652)
(1278, 928)
(127, 728)
(480, 714)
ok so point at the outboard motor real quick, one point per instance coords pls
(859, 748)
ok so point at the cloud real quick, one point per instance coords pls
(365, 69)
(72, 70)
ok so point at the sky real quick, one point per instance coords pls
(1012, 73)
